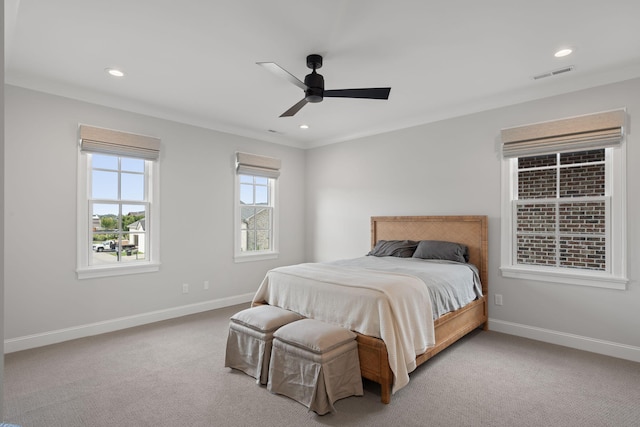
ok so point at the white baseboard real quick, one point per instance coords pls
(11, 345)
(52, 337)
(593, 345)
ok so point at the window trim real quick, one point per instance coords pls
(84, 218)
(616, 277)
(248, 256)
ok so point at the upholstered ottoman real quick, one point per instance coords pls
(315, 363)
(250, 336)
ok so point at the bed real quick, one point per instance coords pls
(378, 356)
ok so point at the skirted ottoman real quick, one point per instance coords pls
(315, 363)
(250, 336)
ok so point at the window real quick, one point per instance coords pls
(560, 210)
(117, 204)
(564, 202)
(256, 211)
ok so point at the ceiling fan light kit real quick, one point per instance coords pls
(313, 86)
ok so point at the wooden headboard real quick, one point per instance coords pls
(468, 230)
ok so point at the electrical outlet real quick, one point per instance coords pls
(206, 285)
(185, 288)
(498, 299)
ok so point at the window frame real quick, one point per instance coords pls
(247, 256)
(615, 277)
(85, 218)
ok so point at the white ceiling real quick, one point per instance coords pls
(193, 61)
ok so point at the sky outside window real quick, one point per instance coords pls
(105, 175)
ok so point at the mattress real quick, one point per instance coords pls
(386, 297)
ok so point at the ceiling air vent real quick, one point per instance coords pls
(553, 73)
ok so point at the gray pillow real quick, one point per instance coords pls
(397, 248)
(436, 249)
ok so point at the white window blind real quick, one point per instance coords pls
(106, 141)
(253, 164)
(599, 130)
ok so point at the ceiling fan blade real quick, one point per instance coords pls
(281, 72)
(371, 93)
(293, 110)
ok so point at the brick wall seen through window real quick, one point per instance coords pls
(561, 210)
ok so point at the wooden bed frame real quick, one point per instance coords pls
(468, 230)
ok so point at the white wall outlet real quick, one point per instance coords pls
(498, 299)
(185, 288)
(206, 285)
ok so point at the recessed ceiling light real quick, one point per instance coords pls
(304, 126)
(114, 72)
(562, 52)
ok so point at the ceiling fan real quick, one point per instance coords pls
(313, 86)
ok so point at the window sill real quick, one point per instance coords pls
(592, 278)
(95, 272)
(259, 256)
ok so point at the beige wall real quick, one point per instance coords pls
(453, 167)
(197, 182)
(2, 222)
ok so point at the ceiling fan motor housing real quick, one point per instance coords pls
(315, 87)
(314, 61)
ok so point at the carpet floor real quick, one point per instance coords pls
(172, 373)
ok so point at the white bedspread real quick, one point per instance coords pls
(392, 306)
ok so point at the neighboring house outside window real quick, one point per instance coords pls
(256, 229)
(564, 202)
(256, 207)
(139, 235)
(117, 203)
